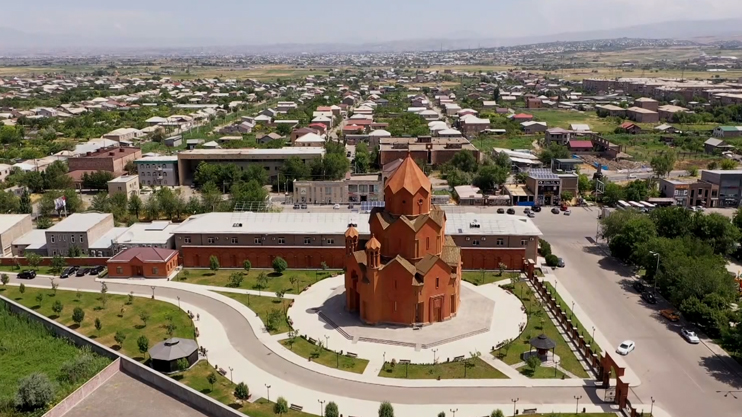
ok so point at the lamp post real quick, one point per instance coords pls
(577, 404)
(268, 388)
(153, 291)
(593, 337)
(453, 411)
(230, 374)
(434, 357)
(657, 269)
(327, 342)
(651, 408)
(321, 407)
(573, 309)
(178, 302)
(515, 401)
(556, 365)
(337, 359)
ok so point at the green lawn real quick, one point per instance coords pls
(487, 276)
(512, 354)
(586, 333)
(263, 306)
(110, 316)
(486, 143)
(12, 270)
(223, 391)
(563, 118)
(303, 348)
(275, 283)
(27, 347)
(542, 373)
(446, 370)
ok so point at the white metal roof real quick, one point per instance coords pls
(490, 224)
(155, 233)
(9, 220)
(79, 222)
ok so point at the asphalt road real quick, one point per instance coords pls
(685, 380)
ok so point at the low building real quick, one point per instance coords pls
(112, 159)
(530, 128)
(103, 247)
(431, 150)
(610, 110)
(715, 146)
(646, 103)
(580, 145)
(13, 227)
(353, 189)
(547, 187)
(173, 141)
(157, 234)
(631, 128)
(78, 231)
(310, 140)
(641, 115)
(678, 190)
(558, 135)
(158, 170)
(33, 241)
(717, 188)
(567, 164)
(165, 355)
(727, 131)
(124, 133)
(143, 263)
(127, 184)
(667, 112)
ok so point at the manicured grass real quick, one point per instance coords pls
(542, 373)
(223, 391)
(483, 277)
(537, 315)
(27, 347)
(111, 317)
(586, 333)
(446, 370)
(275, 283)
(263, 306)
(322, 356)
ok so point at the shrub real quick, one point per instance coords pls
(82, 367)
(241, 391)
(281, 406)
(544, 248)
(143, 344)
(182, 364)
(552, 260)
(34, 391)
(533, 362)
(497, 413)
(386, 409)
(279, 265)
(78, 315)
(331, 410)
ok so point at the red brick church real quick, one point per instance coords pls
(409, 271)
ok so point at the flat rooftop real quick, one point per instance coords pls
(641, 110)
(79, 222)
(123, 178)
(124, 396)
(106, 241)
(155, 233)
(251, 153)
(9, 220)
(163, 158)
(115, 153)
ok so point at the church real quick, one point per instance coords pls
(408, 272)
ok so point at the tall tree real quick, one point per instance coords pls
(663, 163)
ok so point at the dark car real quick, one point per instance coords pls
(639, 286)
(649, 297)
(560, 263)
(81, 272)
(555, 210)
(303, 206)
(26, 274)
(68, 271)
(501, 211)
(511, 211)
(96, 270)
(296, 207)
(536, 208)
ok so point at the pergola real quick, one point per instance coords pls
(543, 344)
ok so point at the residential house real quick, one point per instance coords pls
(631, 128)
(558, 135)
(126, 184)
(270, 137)
(124, 133)
(641, 115)
(727, 131)
(715, 146)
(533, 127)
(666, 128)
(522, 117)
(580, 145)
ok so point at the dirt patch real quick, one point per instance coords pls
(612, 165)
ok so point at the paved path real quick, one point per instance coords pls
(223, 332)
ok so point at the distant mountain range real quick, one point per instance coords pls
(18, 42)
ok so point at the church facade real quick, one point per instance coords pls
(408, 272)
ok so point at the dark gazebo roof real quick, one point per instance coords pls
(542, 342)
(173, 349)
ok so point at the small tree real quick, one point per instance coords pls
(98, 325)
(5, 279)
(144, 316)
(274, 319)
(57, 307)
(211, 379)
(293, 334)
(182, 364)
(130, 300)
(241, 391)
(386, 409)
(143, 344)
(78, 295)
(281, 406)
(235, 279)
(331, 410)
(442, 414)
(247, 265)
(54, 285)
(22, 288)
(497, 413)
(78, 315)
(324, 266)
(57, 265)
(280, 294)
(33, 259)
(213, 263)
(501, 266)
(119, 337)
(279, 265)
(294, 280)
(39, 298)
(262, 281)
(533, 362)
(34, 391)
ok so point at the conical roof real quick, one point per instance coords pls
(409, 177)
(351, 232)
(373, 243)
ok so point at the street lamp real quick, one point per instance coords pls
(556, 365)
(268, 388)
(153, 291)
(321, 407)
(434, 358)
(230, 374)
(515, 401)
(593, 341)
(657, 270)
(454, 412)
(327, 342)
(651, 408)
(573, 308)
(179, 302)
(577, 404)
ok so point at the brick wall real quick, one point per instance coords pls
(48, 261)
(262, 257)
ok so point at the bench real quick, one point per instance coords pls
(223, 371)
(312, 341)
(529, 411)
(351, 354)
(296, 407)
(458, 358)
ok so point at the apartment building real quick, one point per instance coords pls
(79, 230)
(127, 184)
(158, 170)
(111, 159)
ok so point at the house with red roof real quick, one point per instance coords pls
(143, 262)
(580, 145)
(631, 128)
(522, 117)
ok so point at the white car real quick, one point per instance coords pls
(625, 347)
(690, 336)
(336, 207)
(632, 176)
(567, 212)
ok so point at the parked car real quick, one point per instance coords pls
(26, 274)
(649, 297)
(626, 347)
(560, 263)
(555, 210)
(536, 208)
(68, 271)
(336, 207)
(639, 286)
(96, 270)
(531, 214)
(296, 207)
(303, 206)
(82, 272)
(690, 336)
(671, 315)
(527, 210)
(511, 211)
(501, 211)
(567, 212)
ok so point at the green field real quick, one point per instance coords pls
(111, 317)
(27, 347)
(276, 282)
(486, 143)
(223, 391)
(322, 356)
(538, 322)
(478, 369)
(563, 118)
(263, 306)
(483, 277)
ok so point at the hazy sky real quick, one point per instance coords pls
(310, 21)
